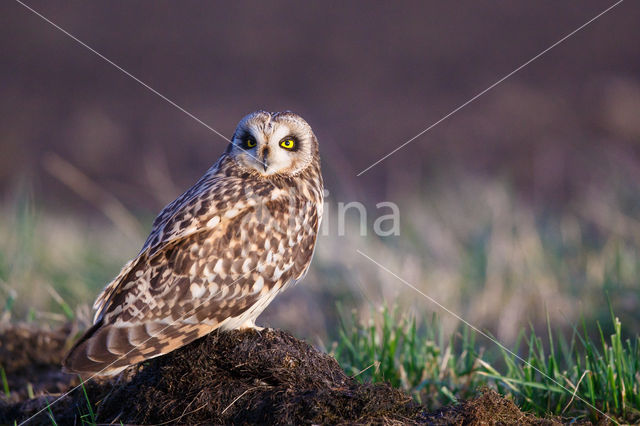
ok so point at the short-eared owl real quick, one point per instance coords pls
(219, 253)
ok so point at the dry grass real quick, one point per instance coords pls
(50, 262)
(470, 244)
(490, 257)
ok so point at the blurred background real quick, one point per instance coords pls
(524, 203)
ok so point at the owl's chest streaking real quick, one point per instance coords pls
(267, 244)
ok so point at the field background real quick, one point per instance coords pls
(523, 205)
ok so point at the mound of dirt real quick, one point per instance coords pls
(489, 408)
(250, 377)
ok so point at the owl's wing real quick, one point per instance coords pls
(201, 206)
(214, 277)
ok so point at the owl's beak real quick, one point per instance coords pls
(265, 154)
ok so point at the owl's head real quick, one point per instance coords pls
(278, 143)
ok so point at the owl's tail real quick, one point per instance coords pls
(107, 349)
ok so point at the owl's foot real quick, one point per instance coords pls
(250, 324)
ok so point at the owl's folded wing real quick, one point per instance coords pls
(215, 277)
(184, 291)
(203, 207)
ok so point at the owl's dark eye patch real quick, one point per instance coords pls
(249, 142)
(244, 140)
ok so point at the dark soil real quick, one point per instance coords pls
(32, 356)
(229, 377)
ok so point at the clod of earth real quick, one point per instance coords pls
(240, 376)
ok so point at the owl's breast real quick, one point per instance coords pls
(281, 234)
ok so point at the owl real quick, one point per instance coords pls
(218, 254)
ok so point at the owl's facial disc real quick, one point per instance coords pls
(273, 143)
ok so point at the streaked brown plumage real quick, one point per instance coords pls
(218, 254)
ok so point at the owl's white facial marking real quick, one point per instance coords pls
(273, 143)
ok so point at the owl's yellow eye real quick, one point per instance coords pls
(250, 143)
(288, 143)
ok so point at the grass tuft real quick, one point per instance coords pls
(603, 373)
(5, 382)
(51, 417)
(90, 417)
(434, 369)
